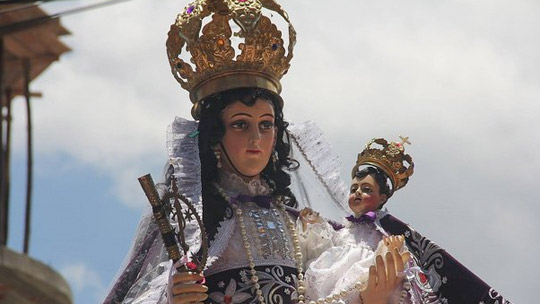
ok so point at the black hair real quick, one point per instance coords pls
(380, 178)
(212, 130)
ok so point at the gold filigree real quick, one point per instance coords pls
(220, 59)
(246, 14)
(390, 157)
(213, 49)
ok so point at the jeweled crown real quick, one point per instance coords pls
(238, 46)
(390, 157)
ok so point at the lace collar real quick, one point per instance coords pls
(379, 214)
(234, 185)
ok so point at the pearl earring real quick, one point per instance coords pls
(275, 159)
(217, 154)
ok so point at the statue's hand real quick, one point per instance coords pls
(185, 289)
(384, 278)
(308, 216)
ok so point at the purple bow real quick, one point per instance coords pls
(368, 217)
(262, 201)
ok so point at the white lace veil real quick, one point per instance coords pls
(316, 184)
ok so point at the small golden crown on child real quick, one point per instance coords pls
(237, 47)
(390, 158)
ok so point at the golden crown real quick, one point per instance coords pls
(390, 158)
(237, 47)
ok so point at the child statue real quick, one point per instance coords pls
(339, 263)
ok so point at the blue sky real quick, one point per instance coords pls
(78, 226)
(458, 77)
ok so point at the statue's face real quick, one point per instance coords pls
(365, 195)
(249, 139)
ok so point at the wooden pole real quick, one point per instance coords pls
(27, 222)
(6, 160)
(3, 202)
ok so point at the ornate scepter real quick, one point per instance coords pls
(184, 212)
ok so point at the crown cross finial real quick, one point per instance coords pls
(404, 140)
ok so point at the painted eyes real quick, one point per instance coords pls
(266, 125)
(239, 124)
(263, 125)
(366, 190)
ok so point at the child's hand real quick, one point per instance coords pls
(308, 216)
(395, 242)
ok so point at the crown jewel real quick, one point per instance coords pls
(237, 47)
(390, 158)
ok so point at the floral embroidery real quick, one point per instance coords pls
(273, 284)
(430, 257)
(498, 299)
(230, 296)
(243, 276)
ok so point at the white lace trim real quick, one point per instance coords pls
(234, 184)
(315, 239)
(336, 269)
(363, 234)
(317, 152)
(183, 149)
(221, 240)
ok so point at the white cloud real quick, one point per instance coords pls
(82, 278)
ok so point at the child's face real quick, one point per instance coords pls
(364, 195)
